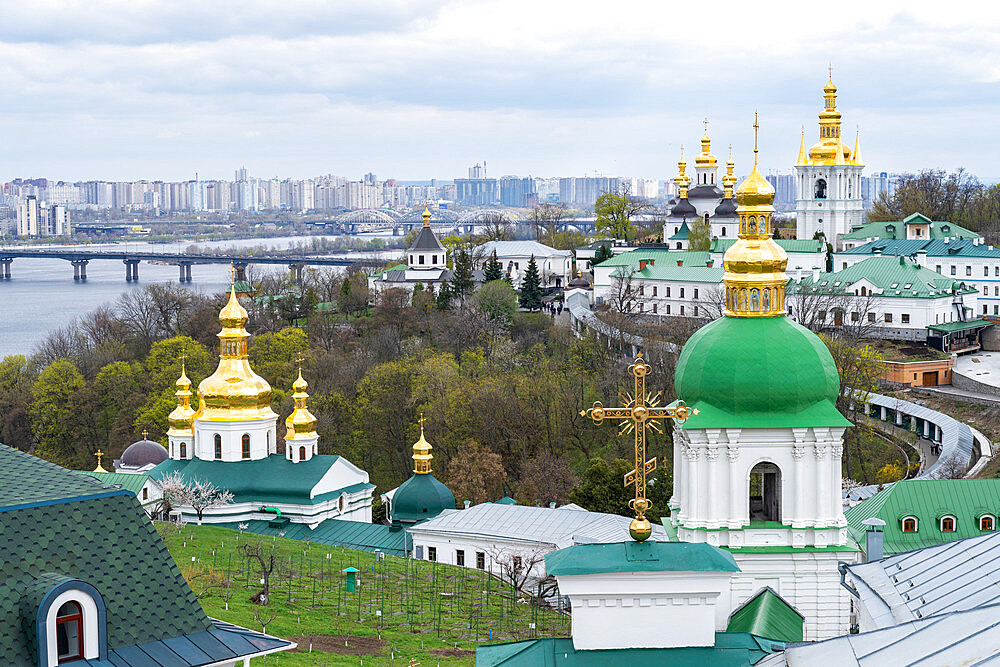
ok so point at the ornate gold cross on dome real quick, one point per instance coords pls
(641, 411)
(99, 454)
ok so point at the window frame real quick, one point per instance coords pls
(245, 445)
(75, 618)
(916, 524)
(218, 446)
(952, 519)
(993, 523)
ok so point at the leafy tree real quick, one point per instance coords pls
(601, 489)
(493, 269)
(615, 212)
(461, 279)
(163, 363)
(54, 417)
(497, 301)
(476, 473)
(933, 193)
(531, 290)
(443, 300)
(603, 253)
(890, 472)
(274, 355)
(699, 235)
(16, 377)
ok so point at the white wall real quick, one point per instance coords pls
(262, 432)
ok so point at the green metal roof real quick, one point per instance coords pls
(767, 614)
(128, 481)
(506, 500)
(732, 649)
(392, 540)
(394, 267)
(927, 500)
(29, 479)
(274, 479)
(633, 556)
(687, 273)
(420, 498)
(881, 230)
(763, 372)
(896, 277)
(950, 327)
(788, 245)
(54, 532)
(682, 232)
(661, 256)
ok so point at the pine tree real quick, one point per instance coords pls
(531, 287)
(443, 300)
(603, 253)
(461, 278)
(493, 269)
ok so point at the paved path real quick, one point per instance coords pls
(948, 391)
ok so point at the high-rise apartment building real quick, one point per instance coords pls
(36, 218)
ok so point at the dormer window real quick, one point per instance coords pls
(910, 524)
(69, 632)
(987, 523)
(948, 524)
(71, 623)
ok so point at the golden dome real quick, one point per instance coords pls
(301, 424)
(829, 88)
(180, 419)
(234, 392)
(682, 179)
(422, 452)
(705, 159)
(426, 215)
(754, 275)
(829, 150)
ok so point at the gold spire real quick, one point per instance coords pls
(705, 159)
(857, 161)
(754, 275)
(426, 215)
(682, 179)
(301, 424)
(422, 452)
(803, 156)
(729, 180)
(180, 419)
(829, 150)
(234, 392)
(99, 467)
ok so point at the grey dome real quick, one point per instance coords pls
(684, 208)
(705, 192)
(143, 453)
(726, 208)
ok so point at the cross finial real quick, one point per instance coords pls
(421, 420)
(299, 358)
(706, 125)
(831, 72)
(99, 454)
(232, 274)
(145, 434)
(756, 127)
(682, 151)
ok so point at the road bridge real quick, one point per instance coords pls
(79, 259)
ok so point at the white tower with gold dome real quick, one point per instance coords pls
(828, 179)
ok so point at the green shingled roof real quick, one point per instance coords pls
(767, 614)
(897, 229)
(788, 245)
(54, 532)
(934, 248)
(128, 481)
(274, 479)
(928, 500)
(895, 277)
(633, 556)
(732, 649)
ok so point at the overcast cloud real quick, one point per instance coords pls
(413, 90)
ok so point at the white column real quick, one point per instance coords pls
(822, 481)
(736, 485)
(836, 482)
(685, 489)
(694, 484)
(713, 514)
(675, 495)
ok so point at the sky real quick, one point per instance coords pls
(123, 90)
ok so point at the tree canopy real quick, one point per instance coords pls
(531, 290)
(615, 212)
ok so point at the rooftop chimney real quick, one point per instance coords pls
(467, 503)
(873, 538)
(552, 505)
(680, 262)
(709, 263)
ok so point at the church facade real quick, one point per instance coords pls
(704, 200)
(758, 470)
(828, 179)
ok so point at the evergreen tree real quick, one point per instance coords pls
(461, 278)
(443, 300)
(531, 287)
(603, 253)
(493, 269)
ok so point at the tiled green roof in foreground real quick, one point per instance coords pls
(633, 556)
(928, 500)
(732, 649)
(128, 481)
(274, 479)
(105, 540)
(768, 615)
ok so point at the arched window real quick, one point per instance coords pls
(948, 524)
(341, 503)
(765, 492)
(218, 446)
(302, 453)
(723, 231)
(910, 524)
(69, 632)
(820, 192)
(987, 523)
(184, 452)
(246, 446)
(864, 292)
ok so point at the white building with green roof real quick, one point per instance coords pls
(915, 227)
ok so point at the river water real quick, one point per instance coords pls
(42, 295)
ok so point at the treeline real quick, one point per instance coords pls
(501, 389)
(958, 197)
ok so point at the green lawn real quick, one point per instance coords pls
(431, 612)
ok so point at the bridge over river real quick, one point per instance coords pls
(80, 258)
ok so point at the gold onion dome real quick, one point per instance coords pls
(422, 453)
(705, 158)
(830, 149)
(754, 275)
(234, 392)
(426, 215)
(682, 179)
(301, 424)
(180, 419)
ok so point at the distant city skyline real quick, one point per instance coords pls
(125, 91)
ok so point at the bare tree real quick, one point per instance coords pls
(264, 562)
(517, 566)
(622, 296)
(711, 302)
(496, 226)
(545, 220)
(200, 495)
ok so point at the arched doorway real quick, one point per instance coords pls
(765, 492)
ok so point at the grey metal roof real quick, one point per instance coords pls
(518, 249)
(546, 525)
(970, 637)
(935, 580)
(426, 240)
(705, 192)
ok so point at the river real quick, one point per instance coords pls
(42, 295)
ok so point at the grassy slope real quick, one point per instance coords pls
(427, 608)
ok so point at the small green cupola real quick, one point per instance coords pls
(421, 497)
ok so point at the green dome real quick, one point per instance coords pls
(420, 498)
(766, 372)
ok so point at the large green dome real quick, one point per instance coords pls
(420, 498)
(766, 372)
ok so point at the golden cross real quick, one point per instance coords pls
(831, 71)
(145, 434)
(706, 125)
(98, 454)
(232, 274)
(421, 420)
(641, 411)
